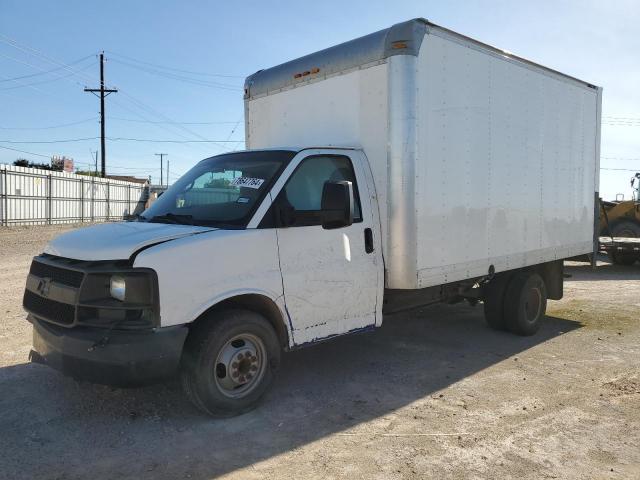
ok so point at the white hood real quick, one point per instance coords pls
(116, 241)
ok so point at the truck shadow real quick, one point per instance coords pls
(54, 427)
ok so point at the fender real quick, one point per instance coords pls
(284, 319)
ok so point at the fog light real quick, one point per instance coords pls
(118, 287)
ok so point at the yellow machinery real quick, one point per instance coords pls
(620, 220)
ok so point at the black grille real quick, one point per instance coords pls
(48, 309)
(71, 278)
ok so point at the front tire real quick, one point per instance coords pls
(230, 361)
(525, 303)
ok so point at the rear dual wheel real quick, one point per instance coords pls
(516, 302)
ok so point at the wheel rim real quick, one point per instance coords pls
(240, 365)
(533, 304)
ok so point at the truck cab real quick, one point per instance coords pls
(281, 248)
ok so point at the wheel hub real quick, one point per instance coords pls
(243, 366)
(240, 365)
(532, 304)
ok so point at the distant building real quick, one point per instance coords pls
(62, 163)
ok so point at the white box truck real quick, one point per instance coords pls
(407, 167)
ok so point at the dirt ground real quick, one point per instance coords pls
(432, 394)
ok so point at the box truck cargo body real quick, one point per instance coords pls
(408, 167)
(479, 158)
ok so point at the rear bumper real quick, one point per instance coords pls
(127, 358)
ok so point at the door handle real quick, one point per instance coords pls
(368, 240)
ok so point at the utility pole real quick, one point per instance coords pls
(162, 155)
(167, 173)
(103, 93)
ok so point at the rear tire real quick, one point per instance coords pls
(525, 303)
(494, 294)
(230, 362)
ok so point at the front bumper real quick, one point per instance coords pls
(117, 357)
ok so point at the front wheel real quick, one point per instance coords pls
(229, 362)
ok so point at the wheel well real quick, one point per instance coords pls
(255, 303)
(551, 272)
(553, 275)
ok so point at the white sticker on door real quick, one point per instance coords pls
(247, 182)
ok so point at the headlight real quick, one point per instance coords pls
(118, 287)
(123, 297)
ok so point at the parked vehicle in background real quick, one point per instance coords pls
(620, 227)
(429, 167)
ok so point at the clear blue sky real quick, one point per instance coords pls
(593, 40)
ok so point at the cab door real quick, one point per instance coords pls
(332, 277)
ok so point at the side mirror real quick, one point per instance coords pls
(337, 205)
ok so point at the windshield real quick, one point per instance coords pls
(221, 191)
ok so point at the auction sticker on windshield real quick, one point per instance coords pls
(247, 182)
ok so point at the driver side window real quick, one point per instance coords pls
(302, 194)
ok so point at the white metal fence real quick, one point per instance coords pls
(31, 196)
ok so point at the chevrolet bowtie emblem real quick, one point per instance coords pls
(43, 286)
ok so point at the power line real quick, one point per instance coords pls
(619, 120)
(146, 119)
(151, 110)
(41, 82)
(120, 167)
(41, 56)
(137, 103)
(116, 139)
(22, 77)
(233, 130)
(181, 78)
(154, 112)
(621, 169)
(31, 75)
(221, 75)
(620, 117)
(176, 123)
(51, 126)
(627, 159)
(126, 139)
(23, 151)
(67, 140)
(38, 90)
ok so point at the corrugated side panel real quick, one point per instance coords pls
(506, 167)
(346, 110)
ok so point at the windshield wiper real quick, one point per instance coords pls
(135, 217)
(180, 219)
